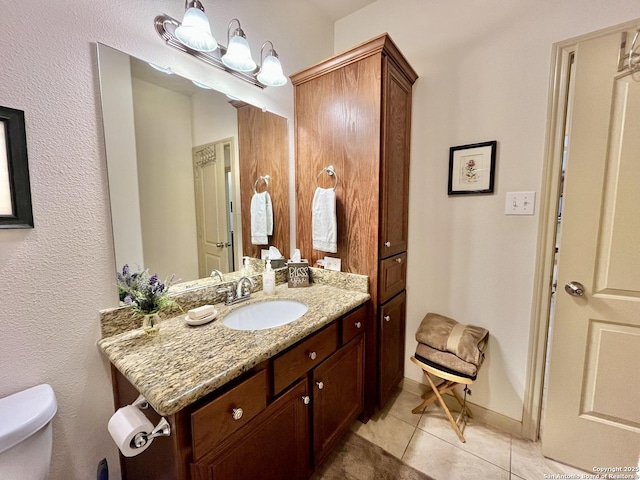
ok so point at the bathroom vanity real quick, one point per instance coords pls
(246, 404)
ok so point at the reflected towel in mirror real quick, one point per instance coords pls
(261, 218)
(324, 224)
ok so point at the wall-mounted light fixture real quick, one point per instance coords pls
(193, 36)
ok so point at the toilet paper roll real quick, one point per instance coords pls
(123, 427)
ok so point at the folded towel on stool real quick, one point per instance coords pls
(446, 361)
(468, 342)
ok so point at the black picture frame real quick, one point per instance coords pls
(472, 168)
(15, 189)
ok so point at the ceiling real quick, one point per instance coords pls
(337, 9)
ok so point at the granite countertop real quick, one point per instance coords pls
(184, 363)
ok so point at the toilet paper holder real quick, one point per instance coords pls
(162, 429)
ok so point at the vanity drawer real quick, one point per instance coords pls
(214, 422)
(353, 324)
(392, 277)
(294, 363)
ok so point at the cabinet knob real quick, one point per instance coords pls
(358, 324)
(236, 413)
(313, 355)
(399, 260)
(387, 244)
(306, 399)
(320, 385)
(387, 318)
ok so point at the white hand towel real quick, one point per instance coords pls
(324, 224)
(269, 213)
(261, 218)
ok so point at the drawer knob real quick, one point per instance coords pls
(320, 385)
(306, 400)
(313, 355)
(358, 324)
(237, 413)
(399, 260)
(387, 318)
(387, 244)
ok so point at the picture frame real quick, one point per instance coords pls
(15, 190)
(472, 168)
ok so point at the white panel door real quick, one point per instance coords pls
(592, 416)
(214, 244)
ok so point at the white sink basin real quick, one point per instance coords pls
(263, 315)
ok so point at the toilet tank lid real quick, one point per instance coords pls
(24, 413)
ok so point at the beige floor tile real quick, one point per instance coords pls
(486, 442)
(516, 477)
(386, 431)
(444, 461)
(528, 462)
(400, 406)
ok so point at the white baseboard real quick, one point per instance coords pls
(480, 414)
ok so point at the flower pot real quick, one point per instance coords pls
(151, 323)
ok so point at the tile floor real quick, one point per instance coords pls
(427, 442)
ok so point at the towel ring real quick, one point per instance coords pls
(265, 179)
(331, 172)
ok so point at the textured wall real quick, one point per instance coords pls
(55, 278)
(484, 73)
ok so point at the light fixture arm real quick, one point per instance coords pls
(271, 51)
(237, 31)
(193, 4)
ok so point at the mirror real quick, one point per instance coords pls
(182, 170)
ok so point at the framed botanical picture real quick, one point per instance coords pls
(15, 192)
(472, 168)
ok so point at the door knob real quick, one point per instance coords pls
(320, 385)
(575, 289)
(387, 318)
(219, 244)
(306, 399)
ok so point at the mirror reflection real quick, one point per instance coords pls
(176, 171)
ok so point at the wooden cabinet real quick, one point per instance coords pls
(215, 421)
(273, 446)
(263, 146)
(298, 360)
(353, 111)
(274, 422)
(391, 325)
(338, 396)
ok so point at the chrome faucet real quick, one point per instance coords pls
(217, 273)
(242, 290)
(238, 291)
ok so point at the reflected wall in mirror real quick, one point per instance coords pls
(176, 173)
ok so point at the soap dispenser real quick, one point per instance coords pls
(247, 269)
(269, 279)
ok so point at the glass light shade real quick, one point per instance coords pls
(195, 31)
(238, 56)
(271, 72)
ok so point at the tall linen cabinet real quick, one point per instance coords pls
(353, 111)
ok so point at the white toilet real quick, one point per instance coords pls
(26, 434)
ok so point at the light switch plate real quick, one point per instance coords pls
(520, 203)
(332, 263)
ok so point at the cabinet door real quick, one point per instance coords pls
(338, 396)
(391, 346)
(396, 137)
(273, 446)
